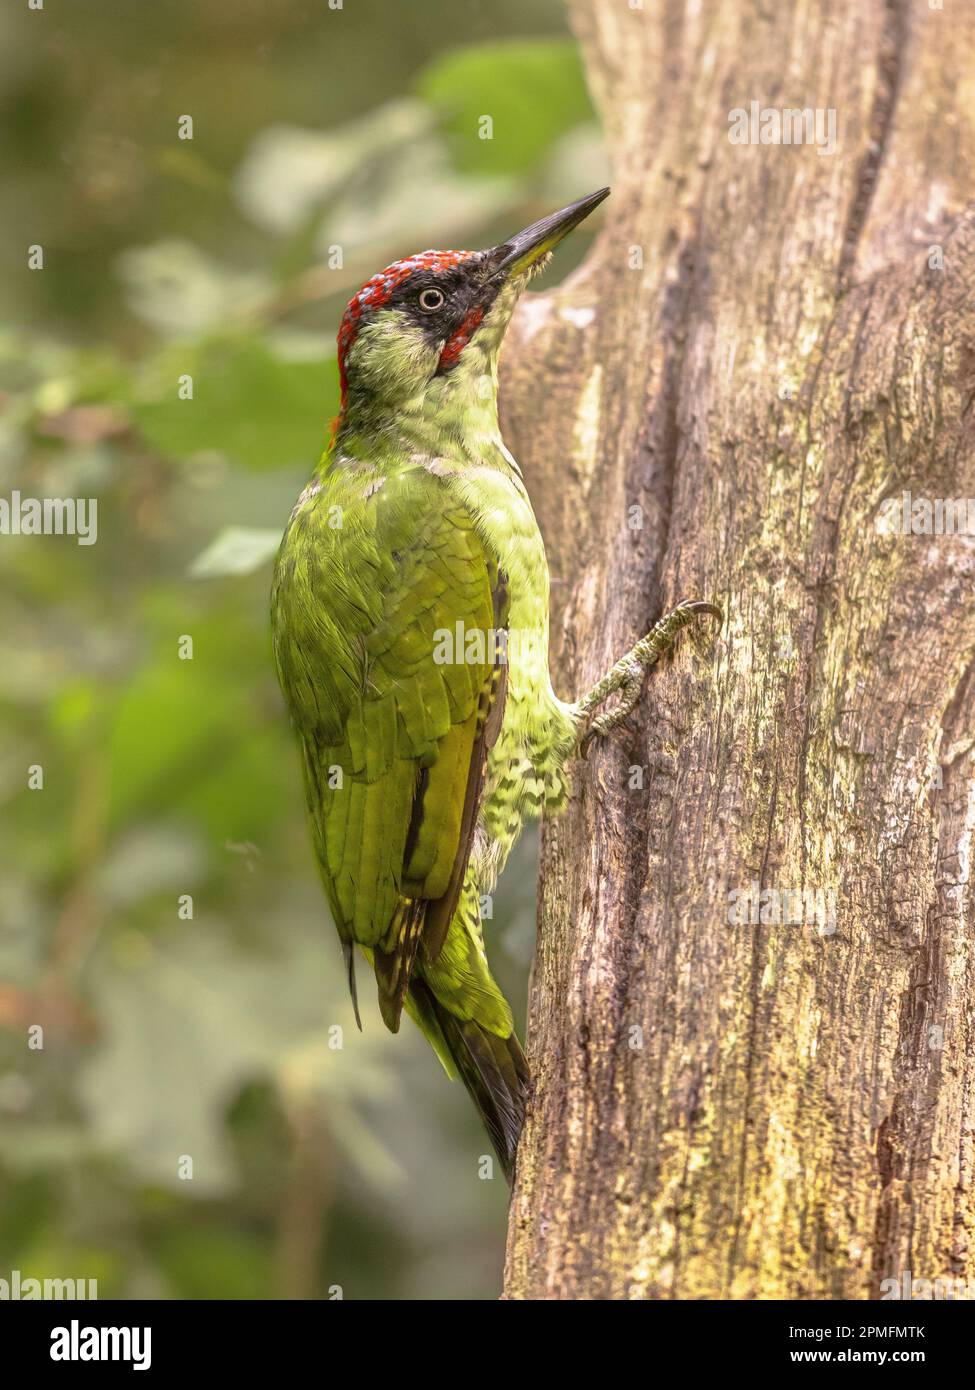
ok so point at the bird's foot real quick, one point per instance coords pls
(626, 677)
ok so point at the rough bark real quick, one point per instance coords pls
(736, 1110)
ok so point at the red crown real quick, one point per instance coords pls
(376, 292)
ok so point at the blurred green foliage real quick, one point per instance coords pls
(325, 143)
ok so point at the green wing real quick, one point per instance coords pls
(372, 571)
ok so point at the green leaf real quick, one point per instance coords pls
(289, 172)
(189, 739)
(236, 550)
(263, 409)
(532, 90)
(207, 1261)
(178, 289)
(188, 1018)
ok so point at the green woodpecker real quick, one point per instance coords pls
(410, 626)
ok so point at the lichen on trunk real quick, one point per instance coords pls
(776, 345)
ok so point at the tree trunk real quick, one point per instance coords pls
(767, 344)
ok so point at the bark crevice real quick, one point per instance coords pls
(733, 1107)
(894, 37)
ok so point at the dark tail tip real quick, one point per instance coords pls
(495, 1072)
(348, 950)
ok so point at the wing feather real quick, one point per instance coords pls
(394, 742)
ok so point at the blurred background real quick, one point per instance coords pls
(325, 143)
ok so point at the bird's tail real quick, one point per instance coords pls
(493, 1068)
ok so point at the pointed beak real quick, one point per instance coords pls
(521, 252)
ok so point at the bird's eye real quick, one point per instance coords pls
(431, 301)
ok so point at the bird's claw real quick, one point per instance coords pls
(628, 674)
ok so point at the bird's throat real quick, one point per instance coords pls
(454, 417)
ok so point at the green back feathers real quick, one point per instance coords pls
(371, 569)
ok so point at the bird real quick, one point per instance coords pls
(410, 625)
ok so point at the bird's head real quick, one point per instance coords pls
(432, 324)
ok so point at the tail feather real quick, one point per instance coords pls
(393, 958)
(494, 1070)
